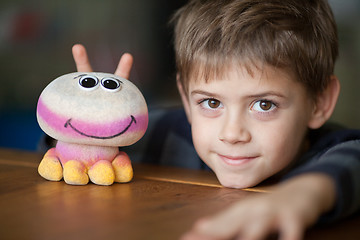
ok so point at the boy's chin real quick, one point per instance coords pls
(235, 182)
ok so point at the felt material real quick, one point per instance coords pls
(71, 113)
(91, 115)
(75, 173)
(87, 154)
(50, 167)
(102, 173)
(122, 167)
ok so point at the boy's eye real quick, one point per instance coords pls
(211, 103)
(263, 106)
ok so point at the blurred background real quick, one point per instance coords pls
(36, 37)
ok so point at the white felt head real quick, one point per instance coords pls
(93, 108)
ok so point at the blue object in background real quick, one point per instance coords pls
(19, 130)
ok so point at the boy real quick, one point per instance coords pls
(256, 80)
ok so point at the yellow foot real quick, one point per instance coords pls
(123, 168)
(102, 173)
(50, 167)
(75, 173)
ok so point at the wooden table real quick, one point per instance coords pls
(160, 203)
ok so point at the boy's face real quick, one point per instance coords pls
(247, 128)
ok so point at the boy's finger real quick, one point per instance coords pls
(81, 58)
(124, 66)
(222, 226)
(291, 229)
(257, 230)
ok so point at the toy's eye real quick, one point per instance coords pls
(111, 84)
(88, 82)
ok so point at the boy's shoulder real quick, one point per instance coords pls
(334, 151)
(330, 135)
(329, 145)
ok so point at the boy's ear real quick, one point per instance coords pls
(325, 103)
(184, 97)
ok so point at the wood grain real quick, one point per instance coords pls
(146, 208)
(160, 203)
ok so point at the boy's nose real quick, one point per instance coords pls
(234, 131)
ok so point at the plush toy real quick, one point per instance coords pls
(91, 115)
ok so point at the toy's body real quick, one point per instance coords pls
(91, 115)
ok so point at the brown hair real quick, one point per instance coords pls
(299, 36)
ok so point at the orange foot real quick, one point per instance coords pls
(50, 167)
(75, 173)
(102, 173)
(123, 168)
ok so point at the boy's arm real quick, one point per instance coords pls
(342, 163)
(289, 209)
(331, 181)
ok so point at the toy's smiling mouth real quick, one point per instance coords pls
(68, 124)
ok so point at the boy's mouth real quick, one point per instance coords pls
(236, 160)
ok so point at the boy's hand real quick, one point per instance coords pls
(83, 65)
(288, 210)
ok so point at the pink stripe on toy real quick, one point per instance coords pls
(80, 128)
(86, 154)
